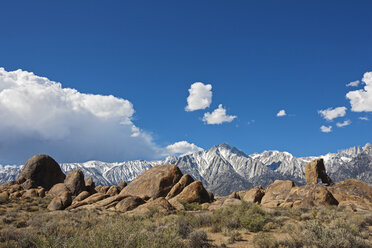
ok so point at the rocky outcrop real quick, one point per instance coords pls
(129, 203)
(316, 170)
(154, 183)
(353, 194)
(113, 190)
(178, 187)
(253, 195)
(276, 193)
(41, 170)
(157, 205)
(57, 189)
(309, 196)
(90, 185)
(194, 192)
(122, 184)
(75, 182)
(60, 202)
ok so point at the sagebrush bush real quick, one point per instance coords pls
(264, 240)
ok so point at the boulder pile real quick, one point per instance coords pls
(166, 189)
(163, 188)
(350, 194)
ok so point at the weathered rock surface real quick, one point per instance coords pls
(194, 192)
(43, 171)
(90, 185)
(178, 187)
(60, 202)
(57, 189)
(154, 183)
(252, 195)
(83, 195)
(113, 190)
(276, 193)
(308, 196)
(122, 184)
(316, 170)
(30, 193)
(90, 200)
(157, 205)
(129, 203)
(75, 182)
(353, 194)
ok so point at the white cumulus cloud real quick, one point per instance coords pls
(364, 118)
(200, 96)
(38, 115)
(326, 129)
(281, 113)
(330, 114)
(218, 116)
(361, 100)
(182, 148)
(343, 124)
(353, 84)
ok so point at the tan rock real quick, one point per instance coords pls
(28, 184)
(309, 196)
(104, 189)
(60, 202)
(276, 193)
(155, 182)
(90, 200)
(43, 171)
(160, 204)
(129, 203)
(57, 189)
(83, 195)
(113, 190)
(90, 185)
(30, 193)
(4, 196)
(316, 170)
(75, 182)
(178, 187)
(122, 184)
(194, 192)
(41, 192)
(253, 195)
(234, 195)
(353, 194)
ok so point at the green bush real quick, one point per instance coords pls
(264, 240)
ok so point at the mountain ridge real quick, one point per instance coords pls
(224, 168)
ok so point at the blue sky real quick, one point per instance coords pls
(258, 56)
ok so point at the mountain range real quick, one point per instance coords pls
(224, 169)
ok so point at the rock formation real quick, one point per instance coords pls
(41, 170)
(154, 183)
(316, 170)
(75, 182)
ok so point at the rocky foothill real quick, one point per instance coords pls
(166, 189)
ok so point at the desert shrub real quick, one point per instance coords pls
(184, 228)
(193, 206)
(198, 239)
(269, 226)
(234, 236)
(246, 215)
(264, 240)
(339, 233)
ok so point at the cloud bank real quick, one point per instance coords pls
(40, 116)
(361, 100)
(281, 113)
(330, 114)
(182, 148)
(218, 116)
(200, 96)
